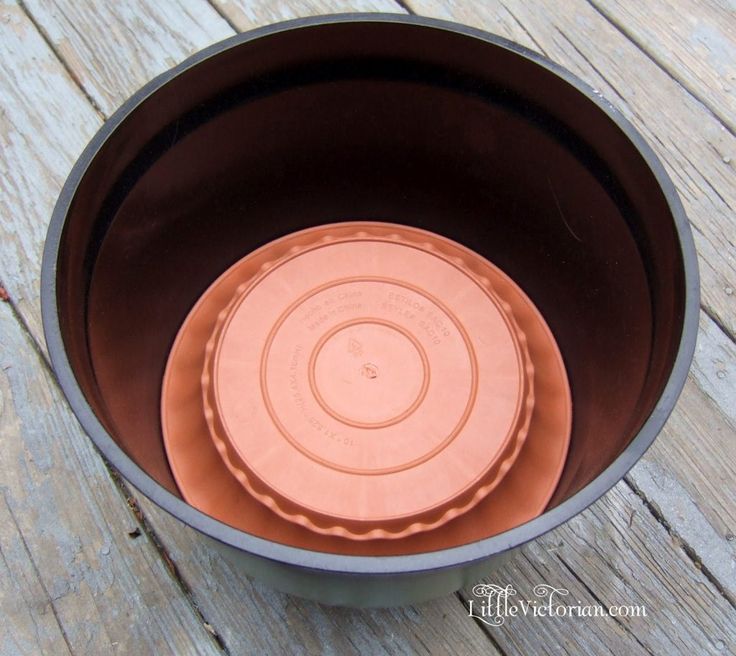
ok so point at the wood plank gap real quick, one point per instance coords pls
(686, 548)
(130, 502)
(731, 336)
(117, 479)
(716, 320)
(32, 561)
(69, 71)
(527, 32)
(224, 16)
(406, 7)
(481, 625)
(599, 601)
(685, 156)
(171, 567)
(692, 92)
(598, 72)
(18, 315)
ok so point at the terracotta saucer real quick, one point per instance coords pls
(358, 349)
(350, 373)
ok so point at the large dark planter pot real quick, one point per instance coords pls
(388, 117)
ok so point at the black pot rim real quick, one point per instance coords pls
(368, 565)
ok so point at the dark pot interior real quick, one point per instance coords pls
(386, 120)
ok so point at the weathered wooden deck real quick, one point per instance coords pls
(91, 567)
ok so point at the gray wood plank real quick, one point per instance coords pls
(615, 553)
(247, 14)
(31, 626)
(688, 474)
(688, 478)
(714, 367)
(45, 122)
(693, 40)
(690, 140)
(95, 40)
(72, 577)
(249, 616)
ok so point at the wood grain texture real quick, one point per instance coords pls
(252, 618)
(686, 136)
(714, 366)
(75, 579)
(693, 40)
(686, 479)
(688, 474)
(113, 48)
(247, 14)
(31, 624)
(45, 122)
(615, 553)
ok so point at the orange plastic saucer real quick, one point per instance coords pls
(361, 381)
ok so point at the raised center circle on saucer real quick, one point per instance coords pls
(367, 380)
(292, 356)
(369, 373)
